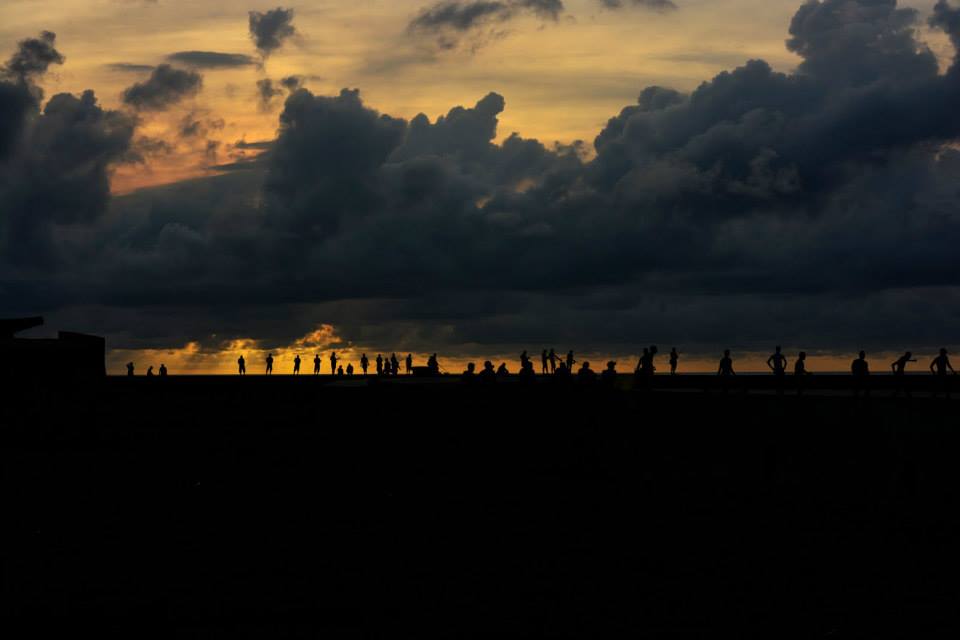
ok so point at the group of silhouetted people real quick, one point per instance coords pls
(562, 368)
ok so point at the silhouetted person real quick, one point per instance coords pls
(674, 361)
(527, 374)
(800, 371)
(316, 364)
(726, 365)
(777, 363)
(899, 367)
(552, 357)
(333, 361)
(544, 362)
(860, 370)
(130, 369)
(349, 369)
(488, 375)
(409, 363)
(562, 376)
(394, 364)
(150, 371)
(642, 362)
(939, 367)
(364, 363)
(609, 375)
(269, 364)
(433, 365)
(524, 359)
(296, 365)
(242, 364)
(502, 371)
(651, 360)
(340, 371)
(470, 374)
(570, 360)
(586, 375)
(379, 365)
(163, 370)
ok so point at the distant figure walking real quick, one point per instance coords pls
(726, 365)
(316, 365)
(364, 363)
(777, 362)
(242, 364)
(333, 362)
(379, 365)
(939, 367)
(899, 367)
(150, 371)
(269, 364)
(674, 361)
(552, 357)
(129, 369)
(163, 370)
(860, 370)
(394, 365)
(296, 365)
(409, 364)
(570, 361)
(544, 362)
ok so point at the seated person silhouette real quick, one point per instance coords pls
(609, 375)
(860, 370)
(433, 365)
(586, 375)
(939, 367)
(340, 371)
(726, 365)
(130, 369)
(800, 371)
(488, 375)
(527, 373)
(163, 370)
(563, 374)
(349, 368)
(150, 371)
(470, 374)
(502, 371)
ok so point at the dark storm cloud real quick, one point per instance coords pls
(211, 59)
(165, 86)
(32, 58)
(448, 21)
(657, 5)
(269, 30)
(819, 205)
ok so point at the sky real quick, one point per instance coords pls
(196, 180)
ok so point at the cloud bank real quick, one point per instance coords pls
(817, 207)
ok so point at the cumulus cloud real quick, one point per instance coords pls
(818, 206)
(270, 29)
(211, 59)
(165, 86)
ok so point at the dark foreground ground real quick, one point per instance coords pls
(293, 508)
